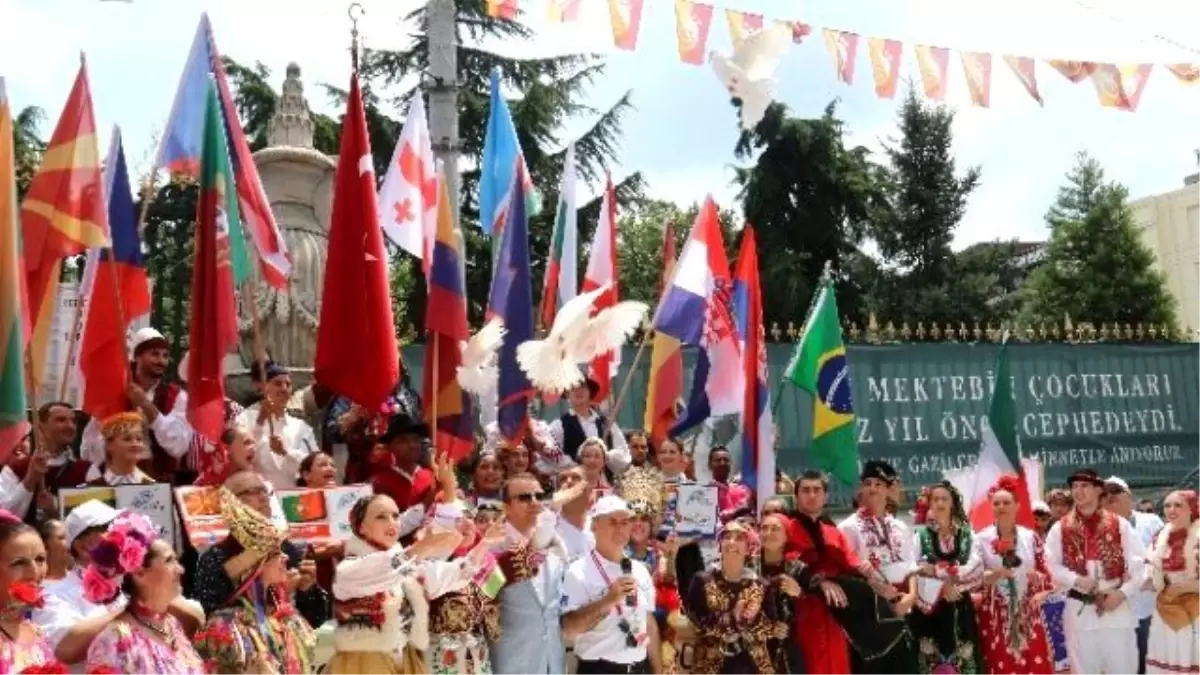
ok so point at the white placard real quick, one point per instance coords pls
(696, 511)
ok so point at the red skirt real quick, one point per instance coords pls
(1030, 654)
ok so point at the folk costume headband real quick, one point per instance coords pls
(121, 423)
(259, 537)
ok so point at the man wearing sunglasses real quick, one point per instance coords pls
(609, 599)
(533, 560)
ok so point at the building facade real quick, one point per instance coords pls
(1170, 225)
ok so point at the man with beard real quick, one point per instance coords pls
(147, 392)
(53, 466)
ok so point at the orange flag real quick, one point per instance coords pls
(843, 47)
(742, 24)
(692, 21)
(1023, 66)
(1188, 73)
(1121, 87)
(562, 11)
(977, 66)
(626, 16)
(932, 62)
(1075, 71)
(63, 213)
(885, 65)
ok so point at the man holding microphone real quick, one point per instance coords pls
(608, 600)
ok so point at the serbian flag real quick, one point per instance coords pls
(408, 196)
(119, 294)
(14, 415)
(357, 355)
(511, 299)
(601, 270)
(758, 429)
(696, 309)
(179, 151)
(665, 384)
(447, 407)
(63, 214)
(1000, 451)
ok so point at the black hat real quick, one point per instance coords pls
(1086, 476)
(265, 371)
(879, 469)
(401, 424)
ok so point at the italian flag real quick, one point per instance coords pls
(562, 277)
(1000, 451)
(602, 269)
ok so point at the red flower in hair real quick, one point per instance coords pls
(52, 668)
(1009, 484)
(26, 594)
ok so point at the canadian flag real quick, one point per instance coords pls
(408, 197)
(601, 270)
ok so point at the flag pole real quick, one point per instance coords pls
(433, 405)
(260, 352)
(826, 277)
(637, 357)
(72, 341)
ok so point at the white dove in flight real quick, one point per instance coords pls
(477, 374)
(749, 74)
(552, 364)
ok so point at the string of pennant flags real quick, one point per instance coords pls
(1118, 85)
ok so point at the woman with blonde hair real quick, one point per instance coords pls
(1172, 647)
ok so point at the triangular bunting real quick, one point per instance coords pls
(1075, 71)
(626, 16)
(742, 24)
(932, 62)
(1187, 73)
(1023, 67)
(885, 65)
(843, 47)
(977, 66)
(692, 21)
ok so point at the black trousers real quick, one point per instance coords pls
(600, 667)
(1143, 642)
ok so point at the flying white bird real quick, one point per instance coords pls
(552, 363)
(477, 374)
(748, 75)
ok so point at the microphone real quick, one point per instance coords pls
(627, 570)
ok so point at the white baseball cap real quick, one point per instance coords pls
(1118, 482)
(1041, 507)
(92, 513)
(609, 505)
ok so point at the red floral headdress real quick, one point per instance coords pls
(1008, 483)
(921, 507)
(121, 550)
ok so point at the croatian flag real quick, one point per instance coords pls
(696, 309)
(758, 431)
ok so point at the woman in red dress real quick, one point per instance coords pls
(1015, 581)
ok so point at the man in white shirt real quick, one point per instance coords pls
(582, 421)
(1119, 499)
(1099, 557)
(281, 440)
(608, 600)
(573, 527)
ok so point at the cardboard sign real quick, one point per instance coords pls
(320, 515)
(152, 500)
(696, 511)
(200, 511)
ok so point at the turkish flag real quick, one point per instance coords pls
(357, 355)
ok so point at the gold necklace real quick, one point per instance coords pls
(164, 632)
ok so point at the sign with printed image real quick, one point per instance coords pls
(320, 515)
(696, 511)
(152, 500)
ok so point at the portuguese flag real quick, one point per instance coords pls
(219, 265)
(562, 282)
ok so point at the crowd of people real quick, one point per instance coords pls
(557, 554)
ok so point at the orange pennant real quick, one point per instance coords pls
(885, 65)
(562, 11)
(626, 16)
(800, 30)
(692, 21)
(742, 24)
(977, 66)
(843, 47)
(1023, 66)
(932, 62)
(1188, 73)
(1121, 87)
(1075, 71)
(502, 9)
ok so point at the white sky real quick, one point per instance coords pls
(682, 134)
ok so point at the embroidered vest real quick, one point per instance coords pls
(573, 435)
(1081, 544)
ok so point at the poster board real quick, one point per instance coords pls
(152, 500)
(200, 512)
(696, 511)
(320, 515)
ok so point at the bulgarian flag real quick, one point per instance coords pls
(1000, 451)
(562, 282)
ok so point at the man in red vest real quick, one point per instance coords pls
(400, 474)
(168, 430)
(53, 465)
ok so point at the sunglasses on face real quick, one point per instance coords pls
(631, 641)
(527, 498)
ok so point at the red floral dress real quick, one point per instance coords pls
(1011, 627)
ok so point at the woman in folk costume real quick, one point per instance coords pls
(782, 570)
(23, 645)
(1015, 581)
(124, 445)
(258, 630)
(947, 566)
(1173, 572)
(733, 610)
(382, 590)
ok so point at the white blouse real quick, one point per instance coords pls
(1026, 550)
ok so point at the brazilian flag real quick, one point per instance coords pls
(819, 367)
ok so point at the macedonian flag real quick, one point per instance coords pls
(63, 213)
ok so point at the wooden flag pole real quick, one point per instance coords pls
(637, 357)
(71, 343)
(260, 352)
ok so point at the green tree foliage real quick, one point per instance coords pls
(553, 92)
(169, 241)
(28, 145)
(640, 246)
(1096, 267)
(926, 200)
(810, 198)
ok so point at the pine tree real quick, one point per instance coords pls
(1096, 267)
(926, 200)
(553, 92)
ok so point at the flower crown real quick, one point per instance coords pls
(121, 550)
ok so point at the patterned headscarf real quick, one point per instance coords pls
(258, 536)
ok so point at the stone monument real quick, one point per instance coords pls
(298, 181)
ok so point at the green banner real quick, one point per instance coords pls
(1128, 410)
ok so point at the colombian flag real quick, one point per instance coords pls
(666, 363)
(63, 213)
(819, 367)
(448, 407)
(13, 417)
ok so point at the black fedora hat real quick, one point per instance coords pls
(1086, 476)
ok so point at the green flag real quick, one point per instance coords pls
(819, 367)
(217, 175)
